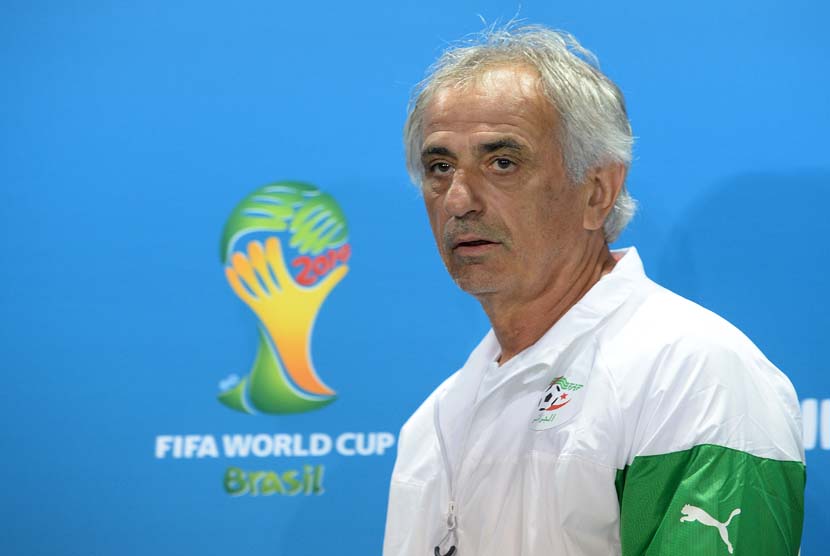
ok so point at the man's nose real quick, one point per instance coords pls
(462, 197)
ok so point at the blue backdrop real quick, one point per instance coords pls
(132, 130)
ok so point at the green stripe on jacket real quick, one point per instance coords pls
(710, 500)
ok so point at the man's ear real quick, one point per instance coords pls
(604, 184)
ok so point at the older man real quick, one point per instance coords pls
(602, 414)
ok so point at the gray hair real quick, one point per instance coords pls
(595, 130)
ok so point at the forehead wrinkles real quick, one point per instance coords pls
(509, 96)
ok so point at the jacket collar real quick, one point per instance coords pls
(602, 300)
(480, 378)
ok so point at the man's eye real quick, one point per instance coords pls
(503, 163)
(440, 168)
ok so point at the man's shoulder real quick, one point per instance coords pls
(665, 341)
(679, 365)
(417, 440)
(423, 416)
(663, 326)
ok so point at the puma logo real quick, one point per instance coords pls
(693, 513)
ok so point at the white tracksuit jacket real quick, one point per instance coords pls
(639, 424)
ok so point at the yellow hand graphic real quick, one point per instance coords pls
(286, 309)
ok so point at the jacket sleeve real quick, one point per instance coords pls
(716, 464)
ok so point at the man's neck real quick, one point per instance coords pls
(518, 324)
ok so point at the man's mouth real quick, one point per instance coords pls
(473, 243)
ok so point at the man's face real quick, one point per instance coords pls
(505, 216)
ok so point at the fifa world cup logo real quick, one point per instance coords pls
(285, 291)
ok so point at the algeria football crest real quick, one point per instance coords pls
(554, 406)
